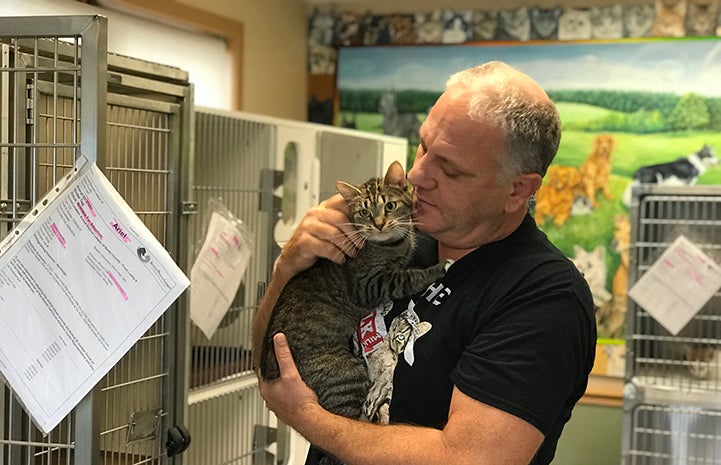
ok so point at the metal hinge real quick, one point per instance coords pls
(30, 104)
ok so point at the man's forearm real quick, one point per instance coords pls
(349, 440)
(262, 314)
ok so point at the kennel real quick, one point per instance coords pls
(672, 395)
(62, 95)
(267, 171)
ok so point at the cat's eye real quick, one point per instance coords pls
(390, 206)
(365, 213)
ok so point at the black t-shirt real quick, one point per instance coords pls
(512, 326)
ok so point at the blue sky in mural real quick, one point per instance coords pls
(679, 66)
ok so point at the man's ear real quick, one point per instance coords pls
(524, 186)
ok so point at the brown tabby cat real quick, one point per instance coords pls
(319, 309)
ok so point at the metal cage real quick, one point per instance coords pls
(672, 408)
(62, 95)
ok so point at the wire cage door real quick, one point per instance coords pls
(672, 398)
(61, 96)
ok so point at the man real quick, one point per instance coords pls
(512, 331)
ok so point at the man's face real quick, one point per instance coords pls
(459, 199)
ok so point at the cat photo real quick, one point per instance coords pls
(321, 59)
(593, 267)
(703, 362)
(400, 29)
(701, 17)
(320, 309)
(457, 27)
(670, 18)
(575, 24)
(544, 23)
(514, 24)
(375, 29)
(348, 29)
(485, 24)
(428, 27)
(638, 20)
(321, 27)
(607, 22)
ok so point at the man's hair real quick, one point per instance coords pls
(531, 126)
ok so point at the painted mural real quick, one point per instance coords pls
(633, 111)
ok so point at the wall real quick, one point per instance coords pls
(274, 53)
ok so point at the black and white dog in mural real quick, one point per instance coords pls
(681, 172)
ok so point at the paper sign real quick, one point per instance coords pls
(81, 280)
(217, 272)
(677, 285)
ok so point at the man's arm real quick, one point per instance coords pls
(475, 434)
(324, 232)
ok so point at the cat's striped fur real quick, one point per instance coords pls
(319, 309)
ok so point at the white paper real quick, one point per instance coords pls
(79, 286)
(216, 273)
(677, 285)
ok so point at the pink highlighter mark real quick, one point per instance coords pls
(58, 235)
(90, 207)
(117, 284)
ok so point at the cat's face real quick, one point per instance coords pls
(381, 208)
(592, 264)
(700, 361)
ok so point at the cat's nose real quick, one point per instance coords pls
(378, 225)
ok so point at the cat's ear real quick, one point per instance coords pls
(395, 176)
(348, 191)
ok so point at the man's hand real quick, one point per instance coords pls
(324, 232)
(288, 396)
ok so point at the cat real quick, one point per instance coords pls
(319, 310)
(701, 17)
(544, 23)
(321, 59)
(670, 18)
(485, 24)
(400, 29)
(637, 20)
(607, 22)
(514, 24)
(457, 27)
(703, 363)
(428, 27)
(375, 29)
(396, 123)
(575, 24)
(348, 29)
(321, 27)
(593, 267)
(404, 328)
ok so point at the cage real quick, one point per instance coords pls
(673, 381)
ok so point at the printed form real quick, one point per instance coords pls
(677, 285)
(81, 280)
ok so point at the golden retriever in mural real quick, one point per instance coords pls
(596, 169)
(555, 197)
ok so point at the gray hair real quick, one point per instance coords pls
(531, 126)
